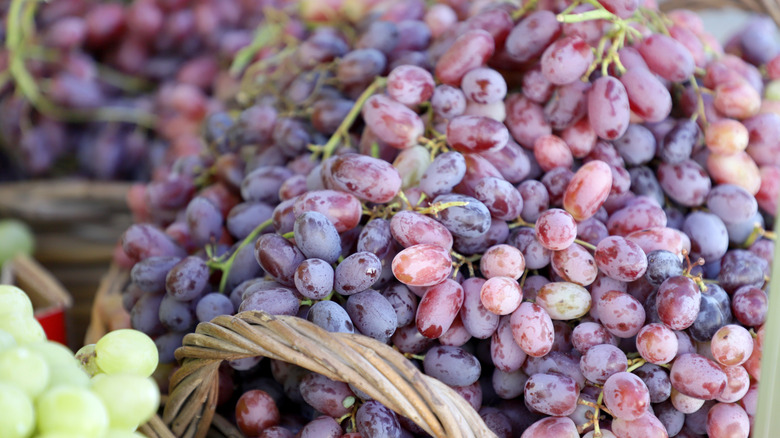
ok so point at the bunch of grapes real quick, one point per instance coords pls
(558, 210)
(46, 392)
(112, 90)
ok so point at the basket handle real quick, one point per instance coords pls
(371, 366)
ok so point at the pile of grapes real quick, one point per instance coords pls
(558, 209)
(46, 392)
(111, 90)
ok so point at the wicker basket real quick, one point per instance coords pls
(371, 366)
(76, 226)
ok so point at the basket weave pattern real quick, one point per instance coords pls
(372, 367)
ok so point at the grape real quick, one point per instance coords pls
(656, 343)
(501, 295)
(325, 395)
(738, 169)
(502, 260)
(667, 57)
(263, 184)
(741, 268)
(321, 427)
(142, 241)
(658, 238)
(505, 353)
(470, 220)
(568, 105)
(410, 228)
(422, 265)
(331, 317)
(317, 237)
(587, 190)
(608, 108)
(749, 306)
(367, 178)
(468, 134)
(343, 210)
(500, 197)
(360, 66)
(526, 120)
(176, 315)
(278, 257)
(26, 369)
(535, 199)
(276, 300)
(213, 305)
(483, 85)
(372, 314)
(621, 259)
(529, 38)
(601, 361)
(536, 87)
(563, 300)
(678, 302)
(66, 409)
(565, 60)
(587, 335)
(452, 365)
(646, 425)
(737, 99)
(696, 187)
(662, 265)
(551, 394)
(726, 137)
(647, 96)
(709, 238)
(532, 329)
(555, 229)
(657, 381)
(357, 273)
(126, 351)
(738, 384)
(696, 376)
(727, 419)
(551, 151)
(448, 102)
(469, 51)
(561, 427)
(130, 400)
(714, 313)
(18, 420)
(575, 265)
(620, 313)
(731, 345)
(626, 395)
(438, 308)
(375, 421)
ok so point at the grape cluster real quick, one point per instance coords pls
(112, 90)
(558, 210)
(46, 392)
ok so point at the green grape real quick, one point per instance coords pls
(24, 369)
(126, 351)
(71, 375)
(6, 340)
(17, 239)
(85, 357)
(130, 400)
(116, 433)
(58, 435)
(24, 328)
(13, 301)
(72, 410)
(17, 414)
(53, 352)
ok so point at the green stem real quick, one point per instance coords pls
(635, 364)
(226, 265)
(585, 244)
(598, 14)
(343, 130)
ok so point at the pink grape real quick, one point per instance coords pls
(532, 329)
(587, 190)
(438, 308)
(556, 229)
(626, 395)
(608, 108)
(422, 265)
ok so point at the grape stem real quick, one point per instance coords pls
(530, 5)
(342, 132)
(634, 364)
(463, 260)
(226, 265)
(19, 29)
